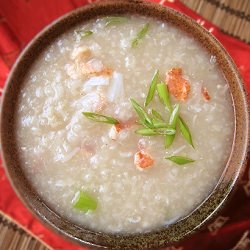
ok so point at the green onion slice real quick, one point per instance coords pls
(146, 132)
(163, 94)
(166, 131)
(152, 88)
(100, 118)
(114, 20)
(180, 160)
(174, 115)
(152, 132)
(185, 132)
(160, 125)
(144, 117)
(169, 140)
(156, 115)
(85, 33)
(172, 124)
(140, 35)
(84, 202)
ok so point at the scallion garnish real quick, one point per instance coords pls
(152, 88)
(174, 115)
(154, 123)
(84, 33)
(166, 131)
(100, 118)
(159, 131)
(160, 125)
(146, 132)
(163, 94)
(172, 124)
(185, 132)
(156, 115)
(114, 20)
(180, 160)
(144, 117)
(84, 202)
(140, 35)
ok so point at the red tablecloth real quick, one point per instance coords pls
(20, 20)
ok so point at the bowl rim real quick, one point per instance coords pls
(159, 237)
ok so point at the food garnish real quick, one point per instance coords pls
(172, 124)
(205, 94)
(118, 127)
(152, 88)
(180, 160)
(163, 94)
(84, 202)
(156, 115)
(100, 118)
(94, 67)
(114, 20)
(159, 131)
(143, 160)
(81, 53)
(115, 130)
(146, 132)
(185, 132)
(178, 86)
(84, 33)
(152, 122)
(140, 35)
(162, 90)
(160, 124)
(145, 120)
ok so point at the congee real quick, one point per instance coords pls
(125, 124)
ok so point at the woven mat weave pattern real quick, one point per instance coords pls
(231, 16)
(14, 237)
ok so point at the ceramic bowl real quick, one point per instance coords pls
(164, 235)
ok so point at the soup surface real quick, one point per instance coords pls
(97, 67)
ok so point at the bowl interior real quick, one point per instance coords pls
(164, 235)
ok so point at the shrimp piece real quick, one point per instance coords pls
(115, 130)
(107, 71)
(78, 56)
(81, 53)
(72, 71)
(177, 85)
(93, 102)
(85, 66)
(94, 67)
(142, 160)
(118, 127)
(205, 94)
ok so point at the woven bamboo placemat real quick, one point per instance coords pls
(14, 237)
(231, 16)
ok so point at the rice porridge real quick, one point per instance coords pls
(124, 124)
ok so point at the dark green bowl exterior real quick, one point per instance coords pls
(164, 235)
